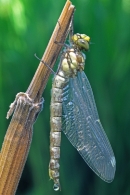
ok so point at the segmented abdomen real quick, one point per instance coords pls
(56, 122)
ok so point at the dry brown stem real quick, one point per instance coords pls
(18, 138)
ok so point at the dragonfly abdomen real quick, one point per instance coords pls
(56, 123)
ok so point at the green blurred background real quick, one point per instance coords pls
(25, 29)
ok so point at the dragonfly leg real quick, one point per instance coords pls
(44, 63)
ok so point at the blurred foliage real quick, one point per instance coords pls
(25, 29)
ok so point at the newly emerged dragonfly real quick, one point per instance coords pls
(73, 111)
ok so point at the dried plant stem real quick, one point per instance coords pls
(27, 106)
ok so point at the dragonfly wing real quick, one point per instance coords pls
(83, 128)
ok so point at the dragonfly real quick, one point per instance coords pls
(73, 111)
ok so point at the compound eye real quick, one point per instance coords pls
(82, 44)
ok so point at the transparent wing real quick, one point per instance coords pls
(83, 128)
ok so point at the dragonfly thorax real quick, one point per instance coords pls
(72, 62)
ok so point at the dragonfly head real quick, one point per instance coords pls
(81, 41)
